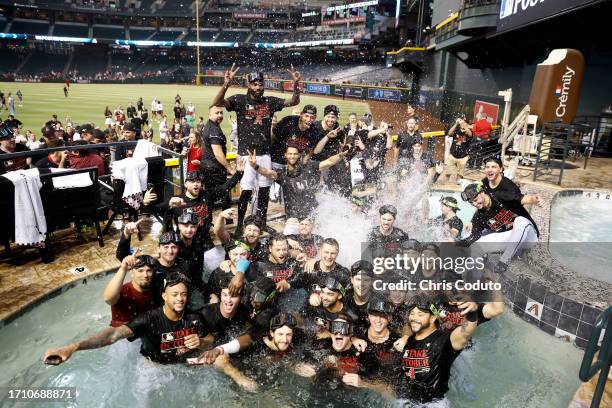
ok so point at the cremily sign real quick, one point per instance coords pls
(516, 13)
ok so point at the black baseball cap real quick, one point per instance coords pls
(255, 76)
(309, 109)
(471, 191)
(188, 217)
(263, 289)
(144, 260)
(388, 209)
(193, 175)
(380, 305)
(5, 132)
(283, 319)
(494, 159)
(363, 267)
(87, 128)
(332, 283)
(169, 237)
(411, 244)
(331, 109)
(174, 279)
(417, 139)
(234, 243)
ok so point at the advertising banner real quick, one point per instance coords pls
(250, 16)
(516, 13)
(344, 20)
(392, 95)
(288, 86)
(349, 91)
(272, 84)
(555, 92)
(324, 89)
(490, 109)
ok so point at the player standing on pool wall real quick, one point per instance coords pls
(170, 334)
(424, 369)
(497, 226)
(254, 112)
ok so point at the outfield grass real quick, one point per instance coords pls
(86, 102)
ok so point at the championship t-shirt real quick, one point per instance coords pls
(299, 188)
(425, 367)
(254, 121)
(223, 328)
(404, 143)
(288, 130)
(332, 146)
(163, 340)
(288, 271)
(390, 243)
(380, 358)
(461, 144)
(310, 245)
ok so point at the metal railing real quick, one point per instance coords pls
(588, 369)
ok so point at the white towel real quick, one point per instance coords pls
(71, 180)
(145, 148)
(30, 222)
(134, 173)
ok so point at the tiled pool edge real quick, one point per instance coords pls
(37, 301)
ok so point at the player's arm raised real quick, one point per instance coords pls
(295, 98)
(220, 97)
(271, 174)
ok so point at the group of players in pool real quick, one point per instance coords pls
(285, 298)
(398, 342)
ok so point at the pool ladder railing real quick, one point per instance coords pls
(589, 368)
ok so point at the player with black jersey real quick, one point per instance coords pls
(380, 353)
(297, 129)
(423, 372)
(200, 200)
(236, 251)
(498, 227)
(170, 334)
(362, 275)
(251, 235)
(327, 265)
(403, 146)
(502, 188)
(299, 180)
(305, 240)
(331, 139)
(254, 112)
(387, 237)
(168, 261)
(452, 224)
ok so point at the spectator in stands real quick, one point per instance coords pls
(128, 134)
(32, 143)
(8, 145)
(119, 115)
(137, 122)
(13, 123)
(108, 117)
(459, 151)
(81, 159)
(481, 129)
(56, 159)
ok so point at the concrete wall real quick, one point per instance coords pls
(441, 10)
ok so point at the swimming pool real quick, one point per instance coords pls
(581, 233)
(512, 364)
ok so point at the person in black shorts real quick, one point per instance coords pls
(254, 112)
(170, 334)
(214, 165)
(299, 180)
(386, 236)
(452, 225)
(422, 374)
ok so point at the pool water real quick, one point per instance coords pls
(581, 235)
(512, 364)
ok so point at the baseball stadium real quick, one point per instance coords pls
(375, 203)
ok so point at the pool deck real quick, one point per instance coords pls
(32, 281)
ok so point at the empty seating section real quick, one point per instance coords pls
(166, 35)
(30, 27)
(109, 32)
(70, 30)
(268, 37)
(136, 34)
(178, 7)
(41, 63)
(2, 24)
(89, 60)
(10, 59)
(233, 36)
(205, 35)
(124, 63)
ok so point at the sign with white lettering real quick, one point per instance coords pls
(517, 13)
